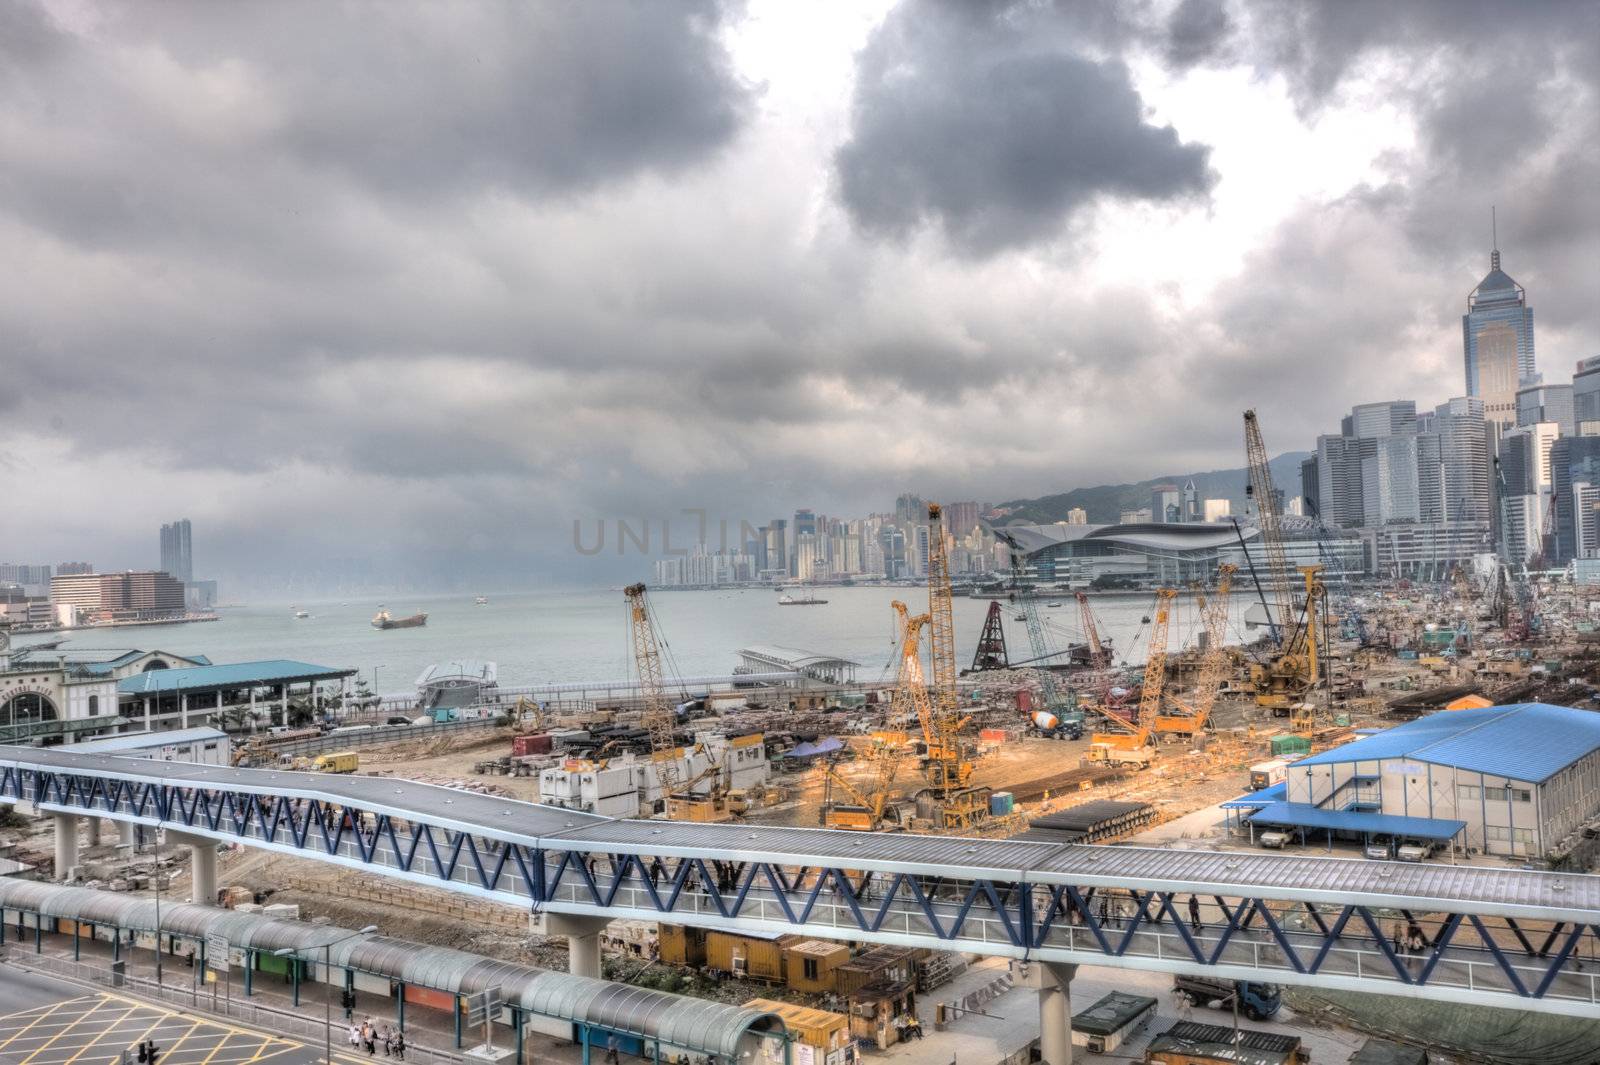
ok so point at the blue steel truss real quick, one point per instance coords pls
(1449, 954)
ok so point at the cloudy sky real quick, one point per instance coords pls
(425, 283)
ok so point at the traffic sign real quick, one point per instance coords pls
(217, 952)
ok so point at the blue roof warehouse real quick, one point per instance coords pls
(1521, 781)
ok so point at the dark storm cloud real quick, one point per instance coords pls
(1197, 30)
(992, 125)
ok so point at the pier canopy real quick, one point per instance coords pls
(200, 690)
(771, 657)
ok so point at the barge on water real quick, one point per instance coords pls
(385, 620)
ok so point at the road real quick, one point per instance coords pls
(44, 1021)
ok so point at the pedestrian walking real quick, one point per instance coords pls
(611, 1050)
(388, 1042)
(1194, 914)
(355, 1034)
(1104, 912)
(399, 1046)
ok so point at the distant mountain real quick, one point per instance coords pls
(1105, 503)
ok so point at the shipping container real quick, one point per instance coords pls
(756, 956)
(992, 735)
(821, 1037)
(1266, 774)
(681, 945)
(538, 743)
(1285, 744)
(810, 964)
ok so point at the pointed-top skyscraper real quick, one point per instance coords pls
(1497, 342)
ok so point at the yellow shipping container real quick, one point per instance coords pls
(681, 946)
(754, 956)
(810, 964)
(824, 1031)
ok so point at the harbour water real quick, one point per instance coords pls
(547, 637)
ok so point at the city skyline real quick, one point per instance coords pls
(793, 255)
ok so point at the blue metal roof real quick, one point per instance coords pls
(1257, 799)
(232, 675)
(1525, 741)
(1304, 815)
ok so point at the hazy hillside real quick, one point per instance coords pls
(1105, 502)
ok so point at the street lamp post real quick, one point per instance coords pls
(327, 982)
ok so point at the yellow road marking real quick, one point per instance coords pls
(76, 1021)
(107, 1031)
(29, 1026)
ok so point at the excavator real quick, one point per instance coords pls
(1283, 680)
(1190, 717)
(866, 812)
(1128, 741)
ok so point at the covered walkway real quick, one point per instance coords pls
(260, 691)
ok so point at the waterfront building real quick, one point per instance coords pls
(1216, 510)
(778, 548)
(71, 568)
(1134, 517)
(133, 595)
(1540, 402)
(1191, 501)
(1425, 551)
(177, 557)
(1497, 343)
(33, 579)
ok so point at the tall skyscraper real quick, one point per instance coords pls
(177, 558)
(1464, 459)
(1497, 342)
(1539, 402)
(1165, 503)
(1586, 396)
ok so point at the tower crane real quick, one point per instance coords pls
(1194, 714)
(909, 699)
(1292, 670)
(1132, 742)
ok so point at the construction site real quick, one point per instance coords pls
(1043, 737)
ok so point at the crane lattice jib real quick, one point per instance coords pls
(910, 698)
(942, 630)
(1042, 653)
(1098, 655)
(1255, 450)
(1155, 666)
(659, 718)
(1215, 663)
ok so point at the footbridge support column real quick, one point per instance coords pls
(1055, 1012)
(583, 940)
(202, 866)
(66, 845)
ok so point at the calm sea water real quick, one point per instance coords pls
(583, 635)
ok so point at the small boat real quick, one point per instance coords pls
(482, 600)
(384, 620)
(803, 599)
(301, 613)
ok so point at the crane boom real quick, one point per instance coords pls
(1155, 666)
(1260, 489)
(1213, 666)
(948, 768)
(659, 717)
(910, 697)
(1099, 657)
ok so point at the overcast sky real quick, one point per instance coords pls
(425, 283)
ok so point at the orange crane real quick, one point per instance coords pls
(1099, 655)
(1131, 744)
(1193, 715)
(910, 698)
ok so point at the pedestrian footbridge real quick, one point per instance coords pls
(1485, 935)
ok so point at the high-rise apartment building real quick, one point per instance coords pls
(1575, 477)
(1077, 516)
(1218, 509)
(1389, 491)
(69, 568)
(778, 546)
(1497, 343)
(961, 518)
(1166, 503)
(177, 557)
(1390, 418)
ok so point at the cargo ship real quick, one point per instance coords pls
(803, 599)
(383, 620)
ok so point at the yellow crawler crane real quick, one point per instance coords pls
(1130, 742)
(1282, 681)
(659, 717)
(1190, 717)
(910, 698)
